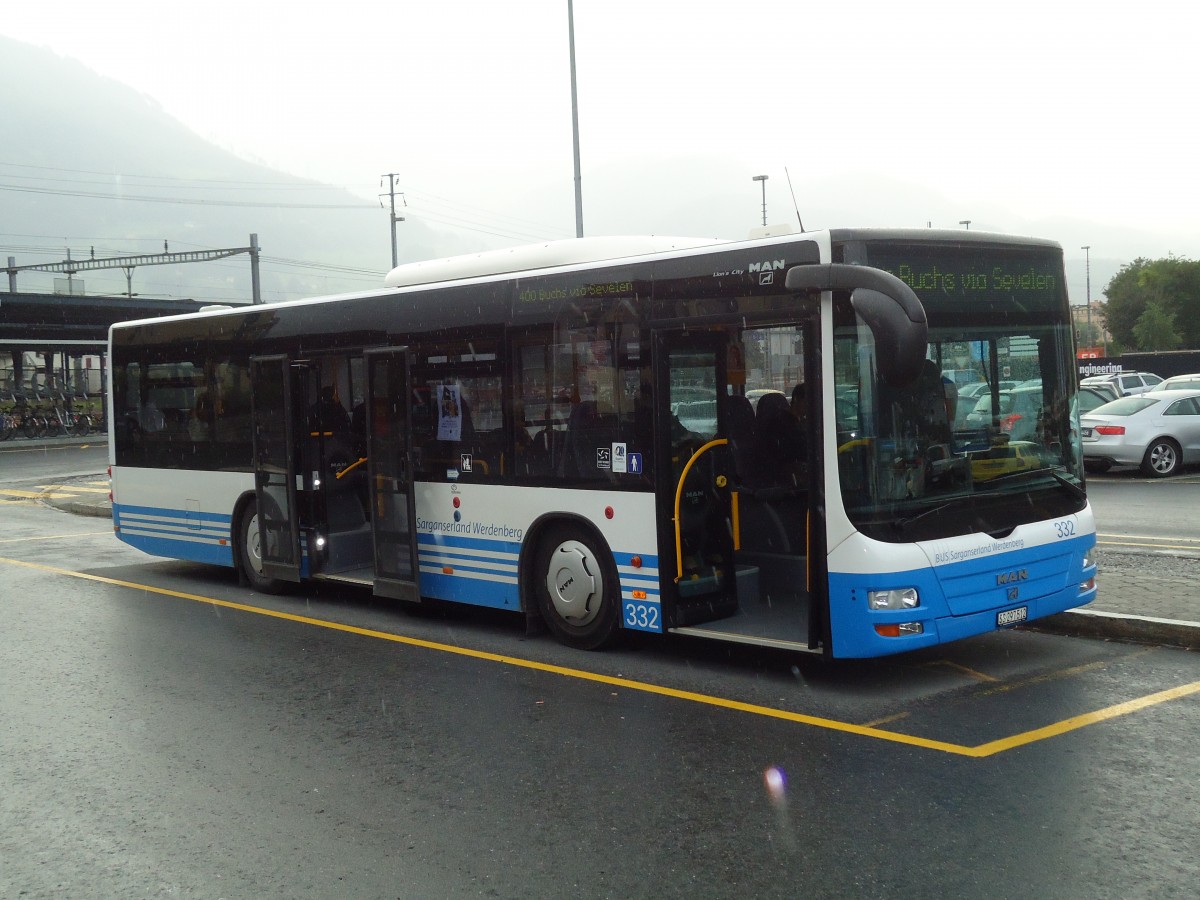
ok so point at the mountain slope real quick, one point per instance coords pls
(88, 162)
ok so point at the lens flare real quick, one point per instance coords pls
(776, 783)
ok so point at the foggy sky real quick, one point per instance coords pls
(1055, 119)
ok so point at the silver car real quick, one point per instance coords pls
(1157, 430)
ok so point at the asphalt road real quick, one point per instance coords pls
(166, 732)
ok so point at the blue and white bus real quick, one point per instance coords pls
(749, 441)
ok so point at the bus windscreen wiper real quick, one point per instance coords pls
(1053, 471)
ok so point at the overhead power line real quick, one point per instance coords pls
(183, 201)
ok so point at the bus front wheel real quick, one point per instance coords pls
(250, 552)
(577, 588)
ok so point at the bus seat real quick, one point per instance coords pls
(740, 428)
(779, 445)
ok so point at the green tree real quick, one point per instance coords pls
(1172, 283)
(1155, 329)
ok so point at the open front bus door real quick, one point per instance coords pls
(393, 509)
(694, 467)
(274, 407)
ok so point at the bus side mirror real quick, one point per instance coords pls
(888, 306)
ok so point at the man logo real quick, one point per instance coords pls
(1012, 577)
(770, 265)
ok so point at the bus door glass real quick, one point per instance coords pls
(273, 408)
(393, 509)
(690, 442)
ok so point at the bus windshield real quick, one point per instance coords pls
(990, 421)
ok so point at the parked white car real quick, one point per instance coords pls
(1179, 383)
(1128, 384)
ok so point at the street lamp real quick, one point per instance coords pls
(763, 179)
(1087, 262)
(966, 222)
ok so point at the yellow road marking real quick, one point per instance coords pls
(885, 720)
(73, 488)
(1100, 715)
(1070, 672)
(1143, 544)
(52, 537)
(978, 752)
(27, 495)
(978, 676)
(32, 495)
(1144, 537)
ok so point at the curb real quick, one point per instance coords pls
(1121, 627)
(78, 508)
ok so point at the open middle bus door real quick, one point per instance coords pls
(742, 499)
(694, 463)
(273, 411)
(393, 508)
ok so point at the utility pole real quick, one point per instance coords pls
(1087, 262)
(391, 177)
(575, 122)
(763, 179)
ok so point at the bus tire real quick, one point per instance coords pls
(577, 588)
(250, 552)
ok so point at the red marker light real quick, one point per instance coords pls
(608, 512)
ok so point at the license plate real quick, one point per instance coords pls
(1087, 432)
(1012, 616)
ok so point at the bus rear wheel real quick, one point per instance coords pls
(577, 588)
(250, 552)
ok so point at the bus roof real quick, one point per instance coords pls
(584, 252)
(538, 256)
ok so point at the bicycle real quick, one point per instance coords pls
(8, 419)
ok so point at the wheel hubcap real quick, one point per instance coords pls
(574, 590)
(254, 544)
(1162, 458)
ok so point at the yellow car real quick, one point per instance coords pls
(1004, 459)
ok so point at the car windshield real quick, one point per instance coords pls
(1090, 400)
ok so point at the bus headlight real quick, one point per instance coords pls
(896, 598)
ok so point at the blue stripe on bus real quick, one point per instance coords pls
(853, 625)
(196, 551)
(174, 533)
(475, 576)
(216, 518)
(460, 588)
